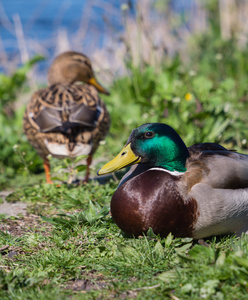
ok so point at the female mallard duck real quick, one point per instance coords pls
(196, 192)
(67, 119)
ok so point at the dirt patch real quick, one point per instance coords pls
(21, 226)
(12, 209)
(86, 285)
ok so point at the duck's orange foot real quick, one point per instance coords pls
(49, 182)
(47, 172)
(55, 184)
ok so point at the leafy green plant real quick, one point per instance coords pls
(11, 136)
(11, 85)
(199, 108)
(68, 169)
(92, 215)
(224, 271)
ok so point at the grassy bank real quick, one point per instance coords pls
(67, 244)
(75, 250)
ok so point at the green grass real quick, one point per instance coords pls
(69, 246)
(215, 111)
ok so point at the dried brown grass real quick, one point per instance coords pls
(155, 34)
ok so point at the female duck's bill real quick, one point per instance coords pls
(67, 118)
(98, 86)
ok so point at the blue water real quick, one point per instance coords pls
(42, 19)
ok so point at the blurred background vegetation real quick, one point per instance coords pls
(186, 68)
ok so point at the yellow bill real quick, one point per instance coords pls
(97, 85)
(124, 158)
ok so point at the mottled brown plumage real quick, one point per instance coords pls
(67, 119)
(136, 208)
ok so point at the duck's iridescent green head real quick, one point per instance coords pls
(154, 144)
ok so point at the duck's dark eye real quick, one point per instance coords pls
(149, 134)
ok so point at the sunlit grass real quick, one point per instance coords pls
(75, 249)
(67, 246)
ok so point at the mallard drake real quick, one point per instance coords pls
(196, 192)
(67, 119)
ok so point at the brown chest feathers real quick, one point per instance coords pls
(144, 202)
